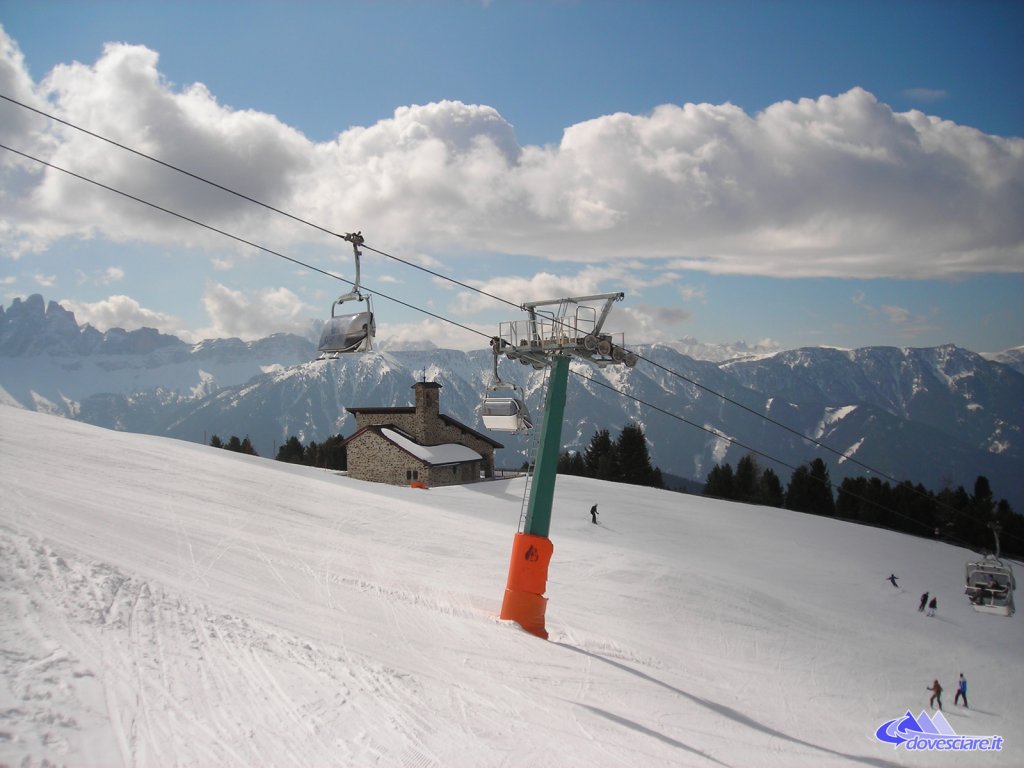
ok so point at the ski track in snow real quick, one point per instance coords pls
(155, 665)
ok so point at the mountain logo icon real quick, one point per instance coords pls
(932, 733)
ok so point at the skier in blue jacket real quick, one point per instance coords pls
(961, 692)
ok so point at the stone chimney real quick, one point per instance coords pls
(427, 420)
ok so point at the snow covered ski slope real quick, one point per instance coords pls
(166, 603)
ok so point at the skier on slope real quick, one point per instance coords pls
(924, 602)
(936, 690)
(932, 606)
(593, 514)
(961, 691)
(892, 578)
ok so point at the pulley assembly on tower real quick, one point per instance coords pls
(569, 327)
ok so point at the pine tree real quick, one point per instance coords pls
(719, 484)
(598, 457)
(571, 463)
(291, 452)
(810, 490)
(745, 481)
(333, 454)
(634, 460)
(770, 491)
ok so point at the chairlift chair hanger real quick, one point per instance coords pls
(353, 332)
(504, 404)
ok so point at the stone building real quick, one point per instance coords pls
(417, 443)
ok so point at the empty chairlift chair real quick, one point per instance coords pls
(504, 406)
(351, 332)
(347, 333)
(504, 409)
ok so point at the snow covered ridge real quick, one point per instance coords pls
(182, 605)
(934, 416)
(1011, 357)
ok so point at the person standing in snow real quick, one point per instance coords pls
(932, 606)
(936, 690)
(961, 692)
(924, 601)
(892, 578)
(593, 514)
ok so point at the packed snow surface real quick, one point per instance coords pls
(167, 603)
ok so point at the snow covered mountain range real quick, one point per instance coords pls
(939, 416)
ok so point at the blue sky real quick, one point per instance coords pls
(839, 173)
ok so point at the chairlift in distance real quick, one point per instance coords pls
(989, 583)
(504, 404)
(350, 332)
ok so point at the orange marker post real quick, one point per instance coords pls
(524, 600)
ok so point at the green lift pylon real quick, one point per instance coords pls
(542, 491)
(551, 340)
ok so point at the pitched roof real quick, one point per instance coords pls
(381, 409)
(411, 409)
(444, 454)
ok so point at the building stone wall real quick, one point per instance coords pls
(371, 457)
(404, 421)
(374, 458)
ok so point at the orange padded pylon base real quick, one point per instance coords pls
(527, 610)
(524, 600)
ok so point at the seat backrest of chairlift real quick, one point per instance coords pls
(501, 406)
(344, 332)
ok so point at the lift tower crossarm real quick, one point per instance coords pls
(609, 298)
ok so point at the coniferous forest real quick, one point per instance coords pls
(951, 514)
(330, 454)
(623, 460)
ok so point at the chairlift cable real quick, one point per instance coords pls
(767, 418)
(298, 262)
(171, 166)
(718, 435)
(237, 238)
(348, 237)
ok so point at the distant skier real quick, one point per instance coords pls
(932, 606)
(892, 578)
(936, 690)
(593, 514)
(961, 692)
(924, 601)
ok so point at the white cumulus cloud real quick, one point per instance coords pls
(252, 315)
(839, 185)
(121, 312)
